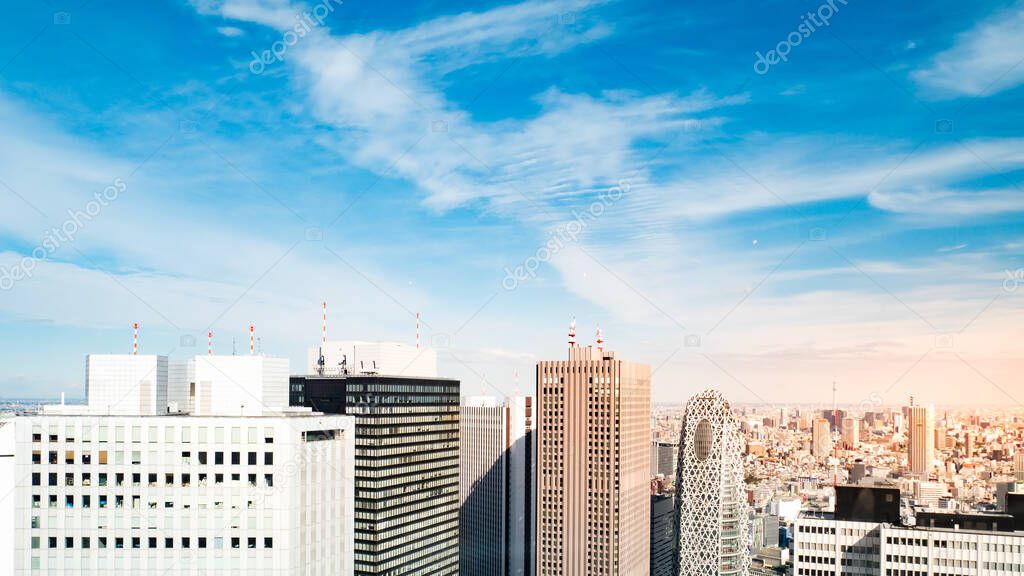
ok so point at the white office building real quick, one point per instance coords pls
(93, 489)
(827, 547)
(497, 488)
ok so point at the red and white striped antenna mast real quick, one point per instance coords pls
(209, 343)
(135, 339)
(572, 333)
(325, 323)
(600, 339)
(417, 330)
(252, 339)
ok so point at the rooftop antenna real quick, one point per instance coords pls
(234, 346)
(600, 340)
(252, 339)
(417, 330)
(135, 341)
(209, 343)
(321, 361)
(572, 332)
(259, 345)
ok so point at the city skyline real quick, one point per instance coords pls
(737, 207)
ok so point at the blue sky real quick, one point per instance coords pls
(853, 212)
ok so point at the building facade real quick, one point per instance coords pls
(407, 468)
(710, 490)
(593, 481)
(921, 439)
(173, 494)
(828, 547)
(497, 495)
(663, 535)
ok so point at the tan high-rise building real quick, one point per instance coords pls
(594, 442)
(921, 439)
(821, 438)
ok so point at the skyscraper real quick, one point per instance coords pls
(497, 494)
(407, 455)
(663, 534)
(593, 483)
(851, 432)
(921, 440)
(710, 490)
(821, 438)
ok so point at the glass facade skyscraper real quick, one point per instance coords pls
(407, 468)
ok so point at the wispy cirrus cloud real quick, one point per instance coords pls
(984, 60)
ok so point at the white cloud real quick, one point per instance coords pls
(230, 31)
(983, 60)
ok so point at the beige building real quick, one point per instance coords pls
(921, 440)
(594, 442)
(821, 439)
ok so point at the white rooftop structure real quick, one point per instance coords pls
(354, 358)
(148, 385)
(126, 384)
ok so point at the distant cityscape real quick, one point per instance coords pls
(370, 463)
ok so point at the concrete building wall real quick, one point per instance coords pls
(593, 478)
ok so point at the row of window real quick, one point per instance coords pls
(53, 457)
(102, 542)
(153, 435)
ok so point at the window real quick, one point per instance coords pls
(202, 458)
(202, 542)
(136, 457)
(168, 542)
(268, 458)
(69, 456)
(136, 542)
(37, 479)
(101, 542)
(118, 542)
(86, 543)
(236, 458)
(268, 542)
(186, 543)
(136, 434)
(51, 479)
(235, 543)
(252, 458)
(37, 457)
(218, 457)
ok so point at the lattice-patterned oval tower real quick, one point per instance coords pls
(712, 509)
